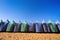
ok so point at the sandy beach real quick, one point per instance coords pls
(29, 36)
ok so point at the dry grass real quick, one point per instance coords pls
(29, 36)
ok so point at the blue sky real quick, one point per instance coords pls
(30, 10)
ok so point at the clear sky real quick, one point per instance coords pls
(30, 10)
